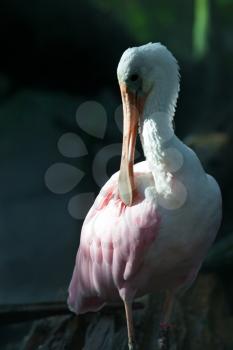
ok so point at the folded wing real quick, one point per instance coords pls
(113, 244)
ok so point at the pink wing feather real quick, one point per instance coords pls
(113, 244)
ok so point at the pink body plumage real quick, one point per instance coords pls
(114, 241)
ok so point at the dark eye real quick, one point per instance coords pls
(134, 77)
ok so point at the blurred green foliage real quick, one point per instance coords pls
(184, 26)
(200, 28)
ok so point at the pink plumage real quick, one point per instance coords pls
(110, 259)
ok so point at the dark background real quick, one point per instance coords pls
(56, 55)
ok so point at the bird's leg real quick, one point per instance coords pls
(164, 324)
(130, 327)
(167, 308)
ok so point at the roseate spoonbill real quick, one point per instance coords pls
(152, 223)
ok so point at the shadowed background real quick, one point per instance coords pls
(55, 56)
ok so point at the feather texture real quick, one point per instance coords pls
(114, 241)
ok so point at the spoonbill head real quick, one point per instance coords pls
(149, 82)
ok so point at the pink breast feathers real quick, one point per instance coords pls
(114, 241)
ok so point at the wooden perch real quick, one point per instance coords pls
(16, 313)
(201, 320)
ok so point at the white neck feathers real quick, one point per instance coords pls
(156, 129)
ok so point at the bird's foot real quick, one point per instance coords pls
(164, 336)
(132, 345)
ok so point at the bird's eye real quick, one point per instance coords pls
(134, 77)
